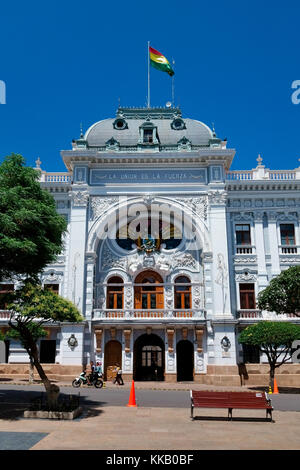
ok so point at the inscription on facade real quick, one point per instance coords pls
(99, 177)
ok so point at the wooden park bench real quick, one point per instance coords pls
(231, 400)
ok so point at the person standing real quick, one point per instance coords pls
(118, 377)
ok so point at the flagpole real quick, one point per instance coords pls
(173, 85)
(148, 98)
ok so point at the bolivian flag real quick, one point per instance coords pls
(160, 62)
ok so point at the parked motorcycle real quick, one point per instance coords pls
(82, 380)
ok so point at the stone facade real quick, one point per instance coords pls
(164, 310)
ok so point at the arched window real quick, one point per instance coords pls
(183, 295)
(148, 291)
(115, 293)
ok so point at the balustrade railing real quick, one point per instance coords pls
(237, 175)
(282, 175)
(261, 173)
(289, 249)
(258, 314)
(253, 313)
(244, 249)
(4, 315)
(62, 177)
(154, 314)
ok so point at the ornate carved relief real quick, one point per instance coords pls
(217, 197)
(113, 333)
(170, 333)
(246, 277)
(184, 333)
(199, 336)
(99, 205)
(52, 276)
(110, 260)
(185, 260)
(127, 334)
(80, 198)
(197, 204)
(98, 333)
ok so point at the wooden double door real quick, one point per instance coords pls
(112, 356)
(149, 291)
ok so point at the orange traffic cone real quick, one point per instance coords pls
(275, 387)
(132, 401)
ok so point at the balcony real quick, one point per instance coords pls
(156, 315)
(244, 249)
(249, 314)
(289, 249)
(255, 314)
(4, 314)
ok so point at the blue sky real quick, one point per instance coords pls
(70, 62)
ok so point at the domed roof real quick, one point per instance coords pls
(171, 128)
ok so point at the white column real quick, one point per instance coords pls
(260, 250)
(219, 245)
(90, 260)
(274, 250)
(77, 247)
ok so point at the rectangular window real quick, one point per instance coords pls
(4, 290)
(247, 296)
(287, 234)
(53, 287)
(250, 354)
(243, 236)
(148, 136)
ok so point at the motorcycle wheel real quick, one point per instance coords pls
(98, 383)
(76, 383)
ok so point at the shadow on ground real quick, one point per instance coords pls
(223, 418)
(293, 390)
(14, 402)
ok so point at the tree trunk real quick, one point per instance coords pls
(272, 376)
(52, 390)
(31, 372)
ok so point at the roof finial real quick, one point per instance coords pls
(259, 160)
(38, 163)
(213, 129)
(81, 131)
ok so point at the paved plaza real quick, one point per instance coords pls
(154, 427)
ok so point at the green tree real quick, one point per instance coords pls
(30, 228)
(275, 339)
(31, 308)
(283, 293)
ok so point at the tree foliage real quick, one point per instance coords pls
(31, 308)
(30, 228)
(275, 339)
(283, 293)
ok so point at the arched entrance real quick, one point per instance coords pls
(149, 358)
(185, 361)
(112, 356)
(149, 291)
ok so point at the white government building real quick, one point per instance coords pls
(167, 303)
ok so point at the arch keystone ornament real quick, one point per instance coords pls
(113, 332)
(184, 333)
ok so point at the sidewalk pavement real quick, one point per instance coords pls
(122, 428)
(143, 385)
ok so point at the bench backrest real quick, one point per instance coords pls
(229, 398)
